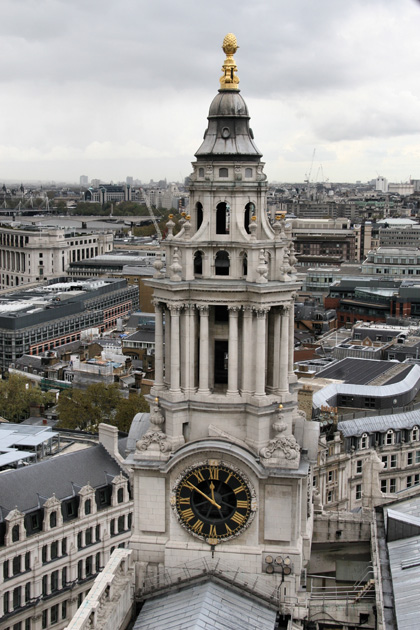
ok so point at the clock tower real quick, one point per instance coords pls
(224, 469)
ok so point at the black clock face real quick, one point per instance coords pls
(213, 502)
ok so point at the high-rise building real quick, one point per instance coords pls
(84, 180)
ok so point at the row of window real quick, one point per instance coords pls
(19, 564)
(87, 537)
(410, 272)
(57, 549)
(224, 172)
(389, 438)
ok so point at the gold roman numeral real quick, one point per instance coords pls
(242, 504)
(189, 485)
(212, 532)
(187, 515)
(184, 500)
(197, 527)
(227, 480)
(239, 489)
(214, 473)
(198, 475)
(238, 518)
(228, 530)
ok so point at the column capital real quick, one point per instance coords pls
(158, 304)
(285, 308)
(189, 307)
(203, 309)
(175, 308)
(261, 311)
(234, 310)
(248, 310)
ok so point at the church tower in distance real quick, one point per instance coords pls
(223, 473)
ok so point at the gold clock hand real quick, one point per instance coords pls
(212, 501)
(212, 490)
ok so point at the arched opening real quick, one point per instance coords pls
(199, 214)
(222, 263)
(244, 264)
(221, 360)
(198, 263)
(201, 172)
(249, 212)
(248, 172)
(222, 218)
(223, 172)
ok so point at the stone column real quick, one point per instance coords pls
(167, 361)
(276, 348)
(188, 349)
(158, 344)
(203, 385)
(291, 338)
(233, 351)
(261, 351)
(175, 310)
(284, 349)
(247, 351)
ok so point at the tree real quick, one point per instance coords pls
(127, 409)
(86, 409)
(18, 394)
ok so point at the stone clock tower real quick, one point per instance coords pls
(223, 470)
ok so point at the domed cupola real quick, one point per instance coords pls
(228, 135)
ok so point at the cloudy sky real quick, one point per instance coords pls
(110, 88)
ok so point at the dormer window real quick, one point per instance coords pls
(415, 434)
(88, 506)
(53, 519)
(389, 439)
(364, 441)
(15, 533)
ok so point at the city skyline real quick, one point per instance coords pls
(96, 88)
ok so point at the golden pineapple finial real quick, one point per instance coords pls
(229, 80)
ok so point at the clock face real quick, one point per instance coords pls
(213, 502)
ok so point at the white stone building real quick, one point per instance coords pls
(32, 254)
(395, 438)
(60, 520)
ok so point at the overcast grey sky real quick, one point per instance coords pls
(110, 88)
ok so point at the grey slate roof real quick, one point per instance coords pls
(63, 476)
(203, 607)
(404, 558)
(141, 335)
(371, 424)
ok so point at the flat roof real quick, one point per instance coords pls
(356, 371)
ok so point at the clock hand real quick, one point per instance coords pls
(212, 501)
(212, 490)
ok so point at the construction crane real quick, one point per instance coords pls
(308, 175)
(152, 216)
